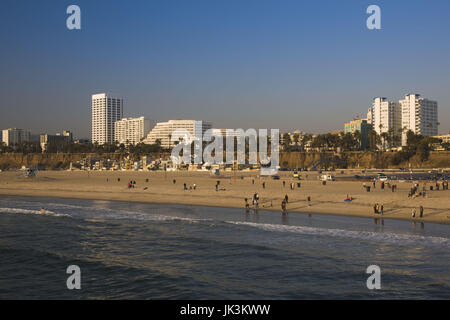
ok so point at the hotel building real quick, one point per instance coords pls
(106, 110)
(419, 115)
(131, 130)
(162, 132)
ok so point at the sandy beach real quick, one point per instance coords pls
(233, 189)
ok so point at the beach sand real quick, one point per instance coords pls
(325, 199)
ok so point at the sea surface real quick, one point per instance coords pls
(148, 251)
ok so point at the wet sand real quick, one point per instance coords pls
(325, 199)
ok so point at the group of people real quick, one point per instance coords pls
(193, 187)
(414, 212)
(378, 208)
(131, 184)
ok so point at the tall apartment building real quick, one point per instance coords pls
(131, 130)
(106, 110)
(163, 131)
(419, 115)
(385, 116)
(15, 136)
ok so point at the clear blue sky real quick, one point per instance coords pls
(308, 65)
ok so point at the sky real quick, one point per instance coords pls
(307, 65)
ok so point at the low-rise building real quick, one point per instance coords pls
(363, 127)
(55, 143)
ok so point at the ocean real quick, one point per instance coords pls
(152, 251)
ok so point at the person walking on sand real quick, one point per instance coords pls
(286, 198)
(413, 212)
(185, 186)
(382, 209)
(284, 183)
(309, 201)
(421, 211)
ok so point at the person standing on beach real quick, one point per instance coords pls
(284, 183)
(421, 211)
(264, 185)
(382, 209)
(185, 186)
(309, 201)
(283, 207)
(413, 212)
(286, 198)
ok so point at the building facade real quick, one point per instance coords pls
(385, 116)
(419, 115)
(162, 132)
(55, 142)
(106, 110)
(131, 130)
(14, 136)
(363, 127)
(445, 138)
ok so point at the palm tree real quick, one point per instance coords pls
(296, 138)
(385, 137)
(287, 140)
(357, 136)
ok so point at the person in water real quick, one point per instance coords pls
(283, 207)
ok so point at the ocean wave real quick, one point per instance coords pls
(101, 214)
(28, 211)
(397, 238)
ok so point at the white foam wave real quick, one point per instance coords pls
(397, 238)
(28, 211)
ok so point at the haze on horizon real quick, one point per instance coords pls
(288, 64)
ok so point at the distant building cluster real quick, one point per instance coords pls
(389, 119)
(394, 119)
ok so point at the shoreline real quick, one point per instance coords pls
(160, 189)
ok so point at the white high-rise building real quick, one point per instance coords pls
(15, 136)
(106, 110)
(385, 116)
(163, 131)
(131, 130)
(419, 115)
